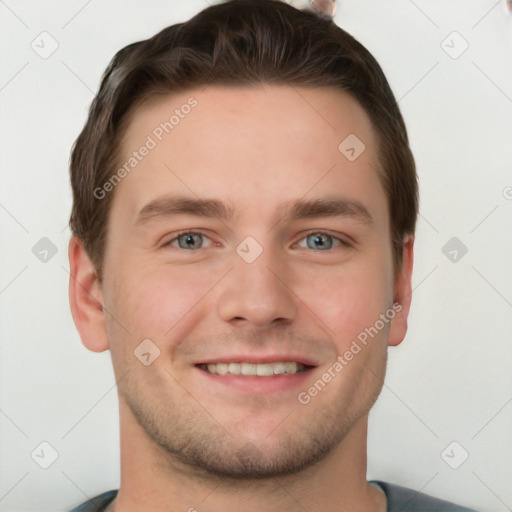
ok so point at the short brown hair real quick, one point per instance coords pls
(238, 43)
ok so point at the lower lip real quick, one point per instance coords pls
(255, 384)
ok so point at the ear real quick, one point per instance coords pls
(402, 294)
(86, 298)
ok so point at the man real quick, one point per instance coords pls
(245, 202)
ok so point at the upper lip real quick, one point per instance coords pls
(259, 358)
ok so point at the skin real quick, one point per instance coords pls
(255, 149)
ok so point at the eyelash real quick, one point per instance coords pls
(342, 242)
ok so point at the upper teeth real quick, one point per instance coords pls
(259, 369)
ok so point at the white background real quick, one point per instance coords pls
(451, 378)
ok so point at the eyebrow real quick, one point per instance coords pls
(330, 207)
(170, 206)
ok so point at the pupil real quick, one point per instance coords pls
(188, 240)
(320, 241)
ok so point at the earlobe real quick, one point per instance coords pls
(86, 298)
(402, 294)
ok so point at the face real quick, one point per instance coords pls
(245, 240)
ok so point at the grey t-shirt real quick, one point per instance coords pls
(400, 499)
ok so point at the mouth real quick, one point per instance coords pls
(255, 369)
(257, 377)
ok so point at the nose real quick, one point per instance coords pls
(258, 294)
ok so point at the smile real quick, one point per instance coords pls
(255, 369)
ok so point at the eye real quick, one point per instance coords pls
(188, 240)
(317, 241)
(321, 241)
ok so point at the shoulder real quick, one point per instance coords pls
(97, 504)
(404, 499)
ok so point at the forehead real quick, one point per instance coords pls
(325, 113)
(250, 143)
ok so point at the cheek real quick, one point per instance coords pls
(164, 299)
(350, 299)
(157, 303)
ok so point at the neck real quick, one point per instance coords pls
(153, 480)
